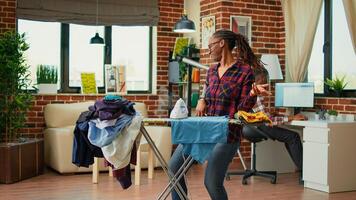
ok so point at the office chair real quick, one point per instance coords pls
(254, 135)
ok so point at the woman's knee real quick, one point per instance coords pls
(295, 137)
(176, 160)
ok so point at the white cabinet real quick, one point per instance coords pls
(315, 157)
(329, 161)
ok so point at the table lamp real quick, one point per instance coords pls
(273, 67)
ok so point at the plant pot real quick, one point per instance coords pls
(19, 161)
(340, 117)
(338, 93)
(332, 117)
(47, 88)
(316, 116)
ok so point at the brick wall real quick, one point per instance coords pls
(342, 105)
(7, 15)
(35, 119)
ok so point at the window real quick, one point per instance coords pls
(83, 56)
(67, 46)
(44, 42)
(131, 48)
(344, 58)
(332, 54)
(316, 62)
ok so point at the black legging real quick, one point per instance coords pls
(291, 140)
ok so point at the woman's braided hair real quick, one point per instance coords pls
(238, 41)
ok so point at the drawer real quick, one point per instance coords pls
(313, 134)
(315, 162)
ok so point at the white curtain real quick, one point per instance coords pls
(301, 19)
(350, 11)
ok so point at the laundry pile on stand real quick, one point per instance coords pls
(109, 129)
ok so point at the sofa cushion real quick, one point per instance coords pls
(58, 151)
(59, 115)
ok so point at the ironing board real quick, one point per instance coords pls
(173, 178)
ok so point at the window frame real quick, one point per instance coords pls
(64, 60)
(327, 50)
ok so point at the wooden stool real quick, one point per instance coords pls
(95, 169)
(144, 147)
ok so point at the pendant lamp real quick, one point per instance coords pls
(97, 39)
(184, 25)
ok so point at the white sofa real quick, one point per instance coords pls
(58, 136)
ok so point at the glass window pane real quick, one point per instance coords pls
(83, 56)
(344, 58)
(130, 47)
(44, 41)
(316, 62)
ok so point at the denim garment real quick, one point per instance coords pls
(83, 151)
(199, 135)
(102, 137)
(118, 152)
(218, 162)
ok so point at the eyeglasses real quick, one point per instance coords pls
(212, 44)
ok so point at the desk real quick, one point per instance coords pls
(329, 160)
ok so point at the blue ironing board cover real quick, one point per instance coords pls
(199, 135)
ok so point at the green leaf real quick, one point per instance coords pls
(47, 74)
(332, 112)
(337, 84)
(15, 77)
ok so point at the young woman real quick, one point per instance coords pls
(228, 88)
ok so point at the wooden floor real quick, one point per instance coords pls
(52, 186)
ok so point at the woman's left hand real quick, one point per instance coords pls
(200, 109)
(260, 90)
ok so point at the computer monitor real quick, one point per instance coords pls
(295, 95)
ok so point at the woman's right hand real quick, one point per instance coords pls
(260, 89)
(200, 109)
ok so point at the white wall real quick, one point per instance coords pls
(193, 11)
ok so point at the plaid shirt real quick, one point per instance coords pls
(260, 107)
(226, 95)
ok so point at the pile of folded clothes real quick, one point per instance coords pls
(110, 129)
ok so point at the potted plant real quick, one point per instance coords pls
(20, 157)
(332, 115)
(47, 78)
(337, 85)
